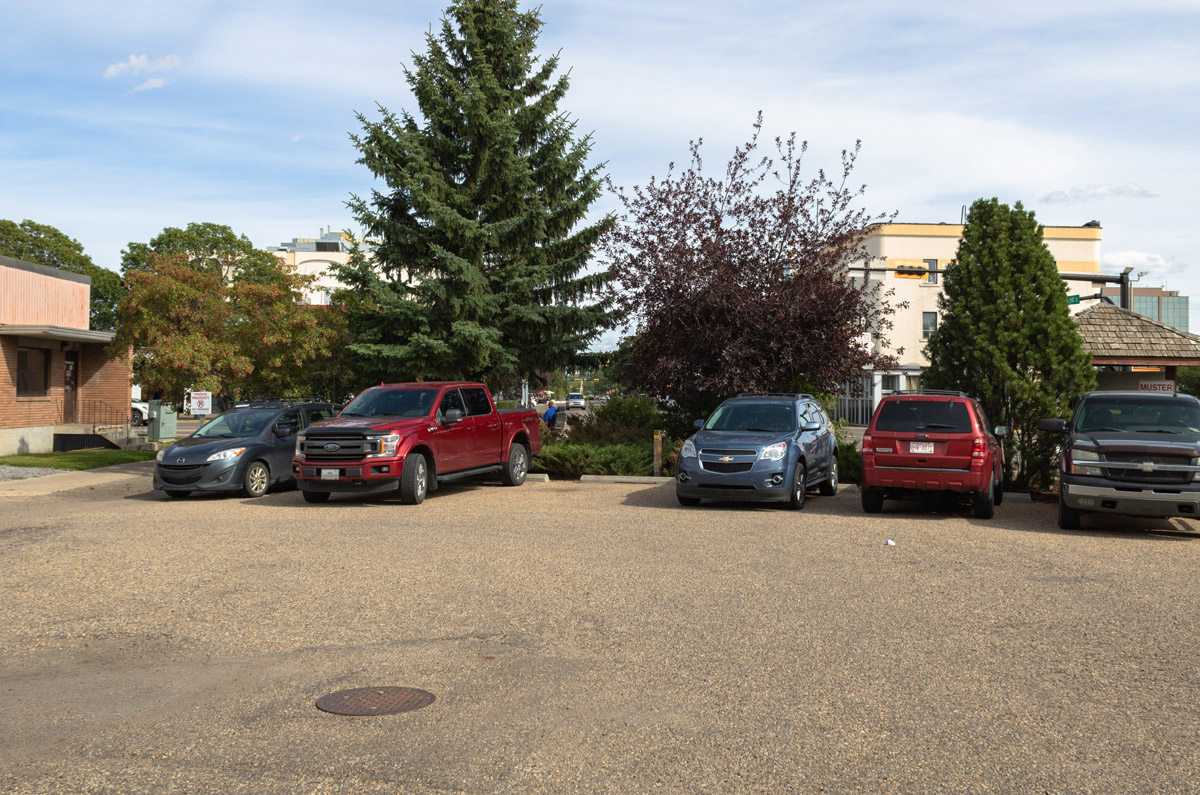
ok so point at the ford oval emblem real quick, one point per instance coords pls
(180, 460)
(332, 448)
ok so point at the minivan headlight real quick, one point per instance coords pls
(225, 455)
(160, 455)
(774, 452)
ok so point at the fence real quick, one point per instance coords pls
(856, 402)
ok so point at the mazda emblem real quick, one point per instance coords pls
(180, 460)
(331, 447)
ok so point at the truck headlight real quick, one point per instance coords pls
(1078, 457)
(300, 445)
(774, 452)
(383, 446)
(688, 450)
(225, 455)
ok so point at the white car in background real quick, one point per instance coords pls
(576, 400)
(139, 412)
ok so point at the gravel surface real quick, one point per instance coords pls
(591, 638)
(20, 473)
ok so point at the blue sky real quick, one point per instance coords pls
(119, 119)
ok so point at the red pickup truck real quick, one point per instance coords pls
(411, 437)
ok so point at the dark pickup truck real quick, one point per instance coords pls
(410, 438)
(1129, 453)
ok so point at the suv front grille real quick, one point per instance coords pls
(717, 466)
(715, 451)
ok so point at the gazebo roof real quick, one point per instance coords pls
(1119, 336)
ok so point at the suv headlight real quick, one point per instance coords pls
(688, 450)
(774, 452)
(1078, 459)
(225, 455)
(382, 446)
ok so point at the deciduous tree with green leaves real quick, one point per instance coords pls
(1006, 335)
(481, 271)
(45, 245)
(207, 247)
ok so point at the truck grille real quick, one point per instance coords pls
(348, 448)
(1138, 476)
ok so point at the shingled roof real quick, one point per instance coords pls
(1118, 336)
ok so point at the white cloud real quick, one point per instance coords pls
(152, 83)
(296, 138)
(1154, 265)
(1129, 190)
(142, 63)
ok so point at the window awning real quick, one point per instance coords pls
(57, 333)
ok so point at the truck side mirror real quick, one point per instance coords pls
(1001, 431)
(452, 416)
(1052, 425)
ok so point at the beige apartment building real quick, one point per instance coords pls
(315, 256)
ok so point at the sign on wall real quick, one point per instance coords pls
(1167, 387)
(201, 403)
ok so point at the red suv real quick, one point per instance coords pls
(931, 441)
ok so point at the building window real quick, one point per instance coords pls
(1146, 305)
(891, 383)
(33, 372)
(1175, 311)
(931, 266)
(928, 324)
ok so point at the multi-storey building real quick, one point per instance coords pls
(311, 256)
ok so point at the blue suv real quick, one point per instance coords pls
(765, 447)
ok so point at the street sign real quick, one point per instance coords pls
(201, 403)
(1072, 299)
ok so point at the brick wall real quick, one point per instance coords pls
(103, 385)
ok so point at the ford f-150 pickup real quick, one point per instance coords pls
(411, 437)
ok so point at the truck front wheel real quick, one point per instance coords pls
(513, 473)
(414, 479)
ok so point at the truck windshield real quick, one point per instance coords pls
(761, 417)
(1139, 415)
(236, 425)
(380, 402)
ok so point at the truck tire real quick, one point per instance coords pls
(414, 479)
(315, 496)
(982, 505)
(517, 466)
(1068, 517)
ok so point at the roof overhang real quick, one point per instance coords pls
(1148, 361)
(58, 333)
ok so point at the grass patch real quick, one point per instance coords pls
(77, 460)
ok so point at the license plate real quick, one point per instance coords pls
(329, 474)
(920, 447)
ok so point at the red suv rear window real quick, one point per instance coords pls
(937, 416)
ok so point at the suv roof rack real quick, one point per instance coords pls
(951, 392)
(794, 395)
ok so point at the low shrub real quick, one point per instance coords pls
(570, 460)
(849, 464)
(507, 404)
(620, 421)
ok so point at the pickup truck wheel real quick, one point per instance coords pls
(513, 473)
(1068, 517)
(829, 487)
(256, 480)
(315, 496)
(872, 499)
(799, 487)
(414, 479)
(982, 505)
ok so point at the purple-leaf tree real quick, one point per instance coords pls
(742, 283)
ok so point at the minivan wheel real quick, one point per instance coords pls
(1068, 517)
(872, 499)
(256, 480)
(829, 487)
(799, 487)
(982, 504)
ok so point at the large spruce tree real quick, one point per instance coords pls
(1006, 335)
(480, 271)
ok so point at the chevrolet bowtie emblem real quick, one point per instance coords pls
(726, 458)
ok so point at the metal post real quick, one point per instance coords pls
(1126, 291)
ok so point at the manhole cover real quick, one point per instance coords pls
(375, 701)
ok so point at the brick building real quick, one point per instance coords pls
(58, 379)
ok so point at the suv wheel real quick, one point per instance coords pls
(829, 487)
(414, 479)
(998, 492)
(982, 504)
(872, 499)
(799, 486)
(1068, 517)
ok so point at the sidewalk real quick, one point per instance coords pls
(65, 481)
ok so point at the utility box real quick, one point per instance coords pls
(162, 421)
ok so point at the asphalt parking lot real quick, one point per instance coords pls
(590, 637)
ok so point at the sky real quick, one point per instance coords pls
(119, 119)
